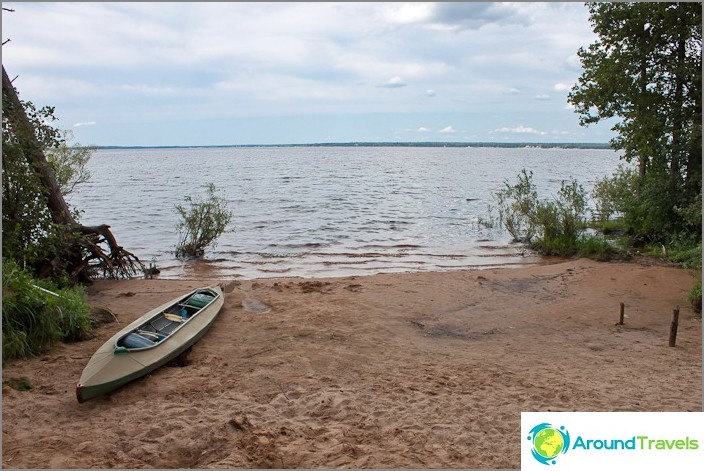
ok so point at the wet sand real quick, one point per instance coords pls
(422, 370)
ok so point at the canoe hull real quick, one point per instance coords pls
(109, 369)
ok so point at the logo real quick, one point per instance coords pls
(548, 442)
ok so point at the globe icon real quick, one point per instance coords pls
(548, 443)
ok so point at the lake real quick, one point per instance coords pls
(325, 211)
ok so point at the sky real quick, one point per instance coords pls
(240, 73)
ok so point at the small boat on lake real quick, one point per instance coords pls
(149, 342)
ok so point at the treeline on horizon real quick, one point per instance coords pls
(507, 145)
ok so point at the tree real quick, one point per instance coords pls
(645, 68)
(31, 186)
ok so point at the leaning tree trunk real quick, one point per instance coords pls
(88, 254)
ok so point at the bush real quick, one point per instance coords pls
(598, 248)
(517, 206)
(33, 318)
(695, 297)
(552, 227)
(614, 195)
(560, 222)
(202, 222)
(651, 210)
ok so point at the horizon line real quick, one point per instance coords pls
(544, 145)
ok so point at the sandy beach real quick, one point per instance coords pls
(417, 370)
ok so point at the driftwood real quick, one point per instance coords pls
(96, 252)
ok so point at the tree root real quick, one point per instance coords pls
(110, 262)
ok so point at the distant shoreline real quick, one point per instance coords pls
(507, 145)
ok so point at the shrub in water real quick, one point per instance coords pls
(517, 205)
(202, 222)
(552, 227)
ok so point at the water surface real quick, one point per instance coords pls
(325, 211)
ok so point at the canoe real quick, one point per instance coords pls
(149, 342)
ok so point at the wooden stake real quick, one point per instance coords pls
(620, 319)
(673, 325)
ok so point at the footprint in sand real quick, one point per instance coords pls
(254, 305)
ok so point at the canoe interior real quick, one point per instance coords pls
(164, 323)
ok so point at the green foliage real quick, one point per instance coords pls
(553, 226)
(19, 383)
(686, 254)
(561, 221)
(691, 216)
(517, 206)
(30, 237)
(202, 222)
(33, 318)
(645, 69)
(613, 195)
(598, 248)
(69, 162)
(695, 297)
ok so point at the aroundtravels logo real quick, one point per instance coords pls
(611, 440)
(548, 442)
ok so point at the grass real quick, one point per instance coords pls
(19, 383)
(36, 313)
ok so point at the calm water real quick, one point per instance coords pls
(325, 211)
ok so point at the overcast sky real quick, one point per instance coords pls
(279, 73)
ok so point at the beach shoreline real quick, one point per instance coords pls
(403, 370)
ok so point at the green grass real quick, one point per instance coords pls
(32, 318)
(695, 297)
(599, 248)
(19, 383)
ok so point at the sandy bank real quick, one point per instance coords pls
(387, 371)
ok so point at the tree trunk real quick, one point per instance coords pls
(60, 212)
(87, 254)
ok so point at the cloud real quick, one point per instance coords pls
(393, 82)
(447, 130)
(520, 129)
(457, 16)
(542, 97)
(202, 62)
(86, 123)
(413, 12)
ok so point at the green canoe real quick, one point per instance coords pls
(149, 342)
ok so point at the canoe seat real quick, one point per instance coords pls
(134, 340)
(151, 335)
(199, 300)
(160, 323)
(170, 327)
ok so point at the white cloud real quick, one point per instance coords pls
(457, 16)
(86, 123)
(413, 12)
(520, 129)
(169, 63)
(447, 130)
(394, 82)
(542, 97)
